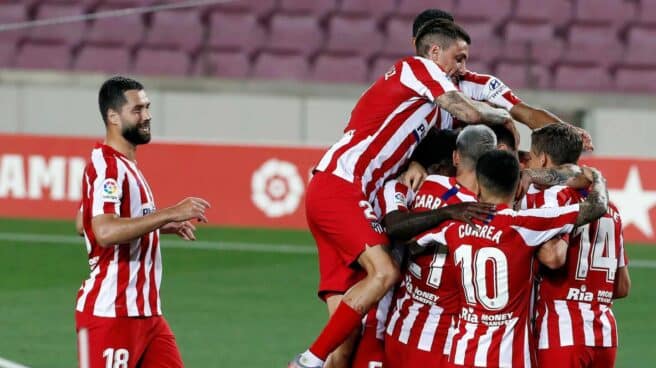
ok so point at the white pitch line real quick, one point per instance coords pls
(170, 243)
(220, 245)
(4, 363)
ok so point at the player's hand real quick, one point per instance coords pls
(469, 211)
(586, 138)
(414, 176)
(184, 229)
(522, 188)
(190, 208)
(582, 179)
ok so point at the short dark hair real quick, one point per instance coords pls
(441, 31)
(112, 94)
(559, 141)
(498, 172)
(504, 136)
(436, 147)
(428, 15)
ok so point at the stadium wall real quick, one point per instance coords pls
(248, 186)
(228, 111)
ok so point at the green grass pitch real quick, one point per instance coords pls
(228, 308)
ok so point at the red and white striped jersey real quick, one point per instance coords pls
(395, 196)
(387, 123)
(427, 303)
(125, 278)
(574, 301)
(494, 263)
(482, 87)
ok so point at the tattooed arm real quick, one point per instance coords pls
(596, 204)
(561, 175)
(469, 111)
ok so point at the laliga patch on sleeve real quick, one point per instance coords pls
(400, 199)
(111, 191)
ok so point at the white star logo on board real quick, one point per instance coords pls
(634, 203)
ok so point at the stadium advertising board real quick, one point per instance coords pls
(248, 186)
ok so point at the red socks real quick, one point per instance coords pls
(339, 327)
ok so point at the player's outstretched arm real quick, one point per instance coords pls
(622, 283)
(405, 225)
(535, 118)
(469, 111)
(596, 204)
(110, 229)
(553, 253)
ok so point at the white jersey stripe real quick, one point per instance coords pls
(449, 337)
(506, 347)
(606, 329)
(527, 349)
(409, 321)
(588, 319)
(428, 331)
(328, 157)
(158, 273)
(537, 237)
(148, 265)
(105, 304)
(131, 290)
(86, 287)
(544, 331)
(461, 346)
(437, 74)
(397, 313)
(409, 80)
(564, 323)
(484, 341)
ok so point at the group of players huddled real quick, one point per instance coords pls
(471, 257)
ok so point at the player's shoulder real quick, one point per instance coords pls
(476, 78)
(442, 180)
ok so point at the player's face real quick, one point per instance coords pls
(536, 160)
(135, 117)
(454, 58)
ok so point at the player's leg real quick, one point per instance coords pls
(603, 357)
(370, 350)
(382, 274)
(564, 357)
(109, 342)
(162, 350)
(340, 217)
(341, 357)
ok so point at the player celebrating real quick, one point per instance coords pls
(575, 324)
(388, 121)
(494, 264)
(483, 87)
(427, 305)
(118, 313)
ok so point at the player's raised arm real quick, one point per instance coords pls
(109, 229)
(534, 118)
(469, 111)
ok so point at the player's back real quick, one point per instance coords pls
(575, 300)
(387, 123)
(427, 301)
(495, 263)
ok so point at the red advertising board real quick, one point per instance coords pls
(259, 186)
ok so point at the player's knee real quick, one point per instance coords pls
(387, 275)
